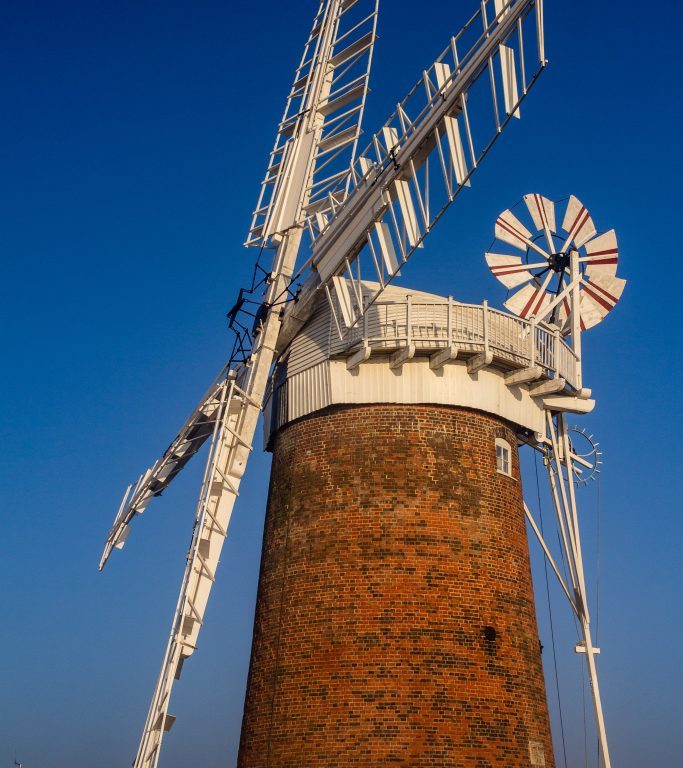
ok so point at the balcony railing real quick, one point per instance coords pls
(472, 328)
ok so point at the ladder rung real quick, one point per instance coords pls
(209, 572)
(238, 437)
(338, 100)
(232, 488)
(336, 140)
(360, 45)
(220, 528)
(255, 403)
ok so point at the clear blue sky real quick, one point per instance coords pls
(133, 139)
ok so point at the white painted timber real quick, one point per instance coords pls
(401, 356)
(452, 128)
(344, 300)
(386, 247)
(509, 73)
(313, 346)
(480, 361)
(550, 387)
(570, 404)
(581, 648)
(359, 356)
(405, 201)
(532, 373)
(443, 356)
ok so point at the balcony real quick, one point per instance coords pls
(414, 325)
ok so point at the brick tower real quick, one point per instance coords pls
(395, 620)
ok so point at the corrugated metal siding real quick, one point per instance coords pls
(308, 391)
(374, 382)
(301, 394)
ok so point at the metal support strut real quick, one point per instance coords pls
(559, 461)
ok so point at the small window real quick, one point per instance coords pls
(503, 456)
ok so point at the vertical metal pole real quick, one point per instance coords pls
(574, 277)
(559, 451)
(583, 606)
(563, 436)
(595, 690)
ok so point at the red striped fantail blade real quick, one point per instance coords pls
(529, 301)
(508, 269)
(577, 223)
(602, 255)
(542, 211)
(510, 230)
(599, 295)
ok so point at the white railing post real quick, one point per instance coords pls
(532, 340)
(449, 321)
(409, 319)
(485, 320)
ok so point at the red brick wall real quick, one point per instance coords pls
(392, 551)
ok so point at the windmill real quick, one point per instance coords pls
(333, 226)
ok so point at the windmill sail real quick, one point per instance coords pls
(233, 428)
(419, 161)
(338, 71)
(193, 434)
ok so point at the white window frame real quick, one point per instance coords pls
(503, 457)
